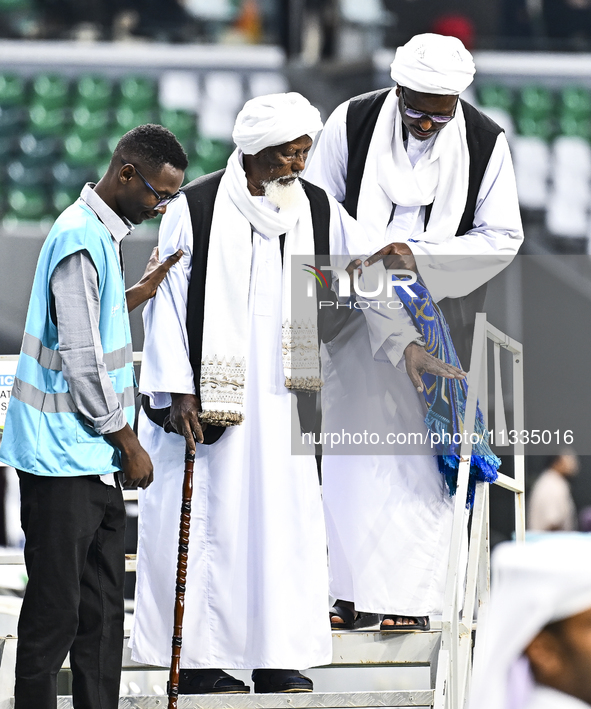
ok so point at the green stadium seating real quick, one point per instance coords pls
(182, 123)
(90, 122)
(574, 126)
(495, 96)
(63, 197)
(13, 90)
(127, 118)
(11, 120)
(83, 152)
(210, 155)
(12, 5)
(20, 174)
(42, 120)
(51, 91)
(39, 150)
(535, 102)
(535, 127)
(575, 101)
(94, 92)
(193, 171)
(138, 93)
(72, 177)
(27, 203)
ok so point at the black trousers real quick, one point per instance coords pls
(74, 552)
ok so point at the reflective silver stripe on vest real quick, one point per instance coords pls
(42, 401)
(51, 359)
(61, 403)
(117, 359)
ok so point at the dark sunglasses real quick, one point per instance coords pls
(162, 201)
(411, 113)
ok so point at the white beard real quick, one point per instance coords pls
(285, 196)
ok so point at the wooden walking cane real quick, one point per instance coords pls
(181, 582)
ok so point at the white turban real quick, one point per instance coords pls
(275, 119)
(433, 64)
(534, 584)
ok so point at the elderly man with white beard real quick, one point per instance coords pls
(224, 352)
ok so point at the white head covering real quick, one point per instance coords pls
(273, 120)
(534, 584)
(433, 64)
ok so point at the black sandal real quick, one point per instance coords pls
(352, 620)
(421, 623)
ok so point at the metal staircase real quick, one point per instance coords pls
(447, 648)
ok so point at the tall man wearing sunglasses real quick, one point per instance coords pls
(430, 180)
(68, 427)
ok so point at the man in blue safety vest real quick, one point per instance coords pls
(68, 427)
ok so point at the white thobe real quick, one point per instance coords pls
(257, 582)
(389, 517)
(547, 698)
(551, 507)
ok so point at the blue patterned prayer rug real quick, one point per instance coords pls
(446, 398)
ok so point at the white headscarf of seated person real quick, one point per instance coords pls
(266, 121)
(433, 64)
(533, 584)
(428, 63)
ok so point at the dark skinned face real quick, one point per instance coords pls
(561, 658)
(281, 162)
(135, 200)
(423, 128)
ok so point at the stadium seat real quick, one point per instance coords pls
(72, 177)
(531, 156)
(27, 203)
(495, 96)
(575, 101)
(51, 91)
(534, 127)
(47, 121)
(535, 102)
(138, 93)
(127, 118)
(182, 123)
(13, 90)
(20, 174)
(94, 92)
(11, 120)
(211, 155)
(63, 197)
(12, 5)
(83, 152)
(90, 122)
(38, 150)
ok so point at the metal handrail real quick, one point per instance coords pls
(455, 658)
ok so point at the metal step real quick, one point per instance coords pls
(369, 648)
(406, 698)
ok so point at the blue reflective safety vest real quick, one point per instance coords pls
(44, 434)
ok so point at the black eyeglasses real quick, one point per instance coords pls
(162, 201)
(416, 115)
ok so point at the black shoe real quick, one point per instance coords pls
(276, 681)
(209, 682)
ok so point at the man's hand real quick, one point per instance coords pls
(184, 418)
(419, 361)
(353, 265)
(136, 465)
(153, 276)
(396, 255)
